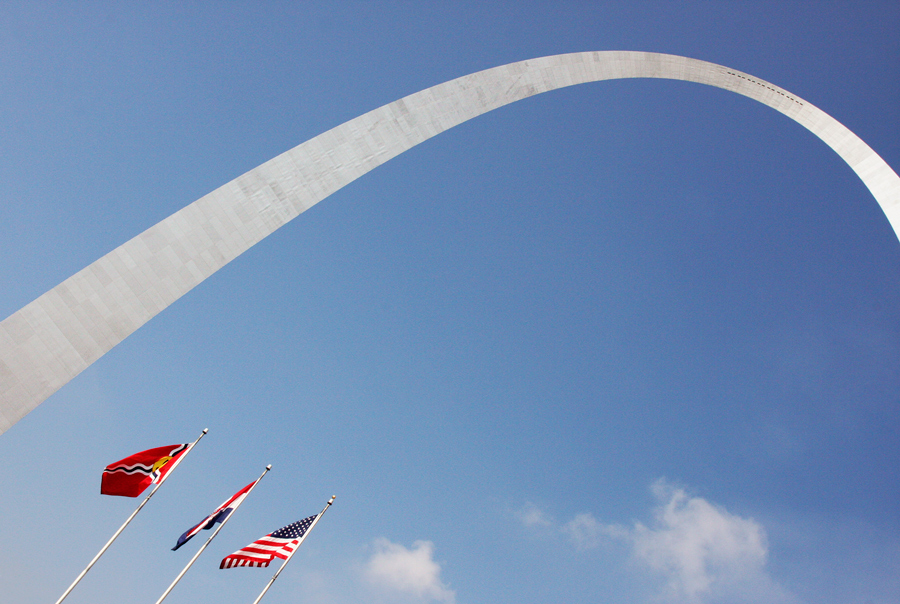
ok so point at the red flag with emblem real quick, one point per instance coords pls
(130, 476)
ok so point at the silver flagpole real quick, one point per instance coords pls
(211, 537)
(130, 518)
(290, 555)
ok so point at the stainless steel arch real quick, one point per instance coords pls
(57, 336)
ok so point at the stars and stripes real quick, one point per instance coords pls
(219, 515)
(279, 544)
(130, 476)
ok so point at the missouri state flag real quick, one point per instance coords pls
(130, 476)
(279, 544)
(219, 515)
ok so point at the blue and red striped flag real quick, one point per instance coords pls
(219, 515)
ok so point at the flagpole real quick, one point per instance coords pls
(290, 555)
(211, 537)
(130, 518)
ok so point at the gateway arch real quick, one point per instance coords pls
(57, 336)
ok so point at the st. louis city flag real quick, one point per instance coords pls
(279, 544)
(130, 476)
(219, 515)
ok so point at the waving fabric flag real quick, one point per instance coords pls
(274, 545)
(130, 476)
(219, 515)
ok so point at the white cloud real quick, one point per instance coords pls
(586, 532)
(700, 551)
(412, 572)
(532, 516)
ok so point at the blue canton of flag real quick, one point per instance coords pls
(219, 515)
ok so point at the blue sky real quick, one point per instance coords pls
(633, 341)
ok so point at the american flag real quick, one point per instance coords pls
(279, 544)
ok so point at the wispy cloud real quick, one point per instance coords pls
(411, 572)
(586, 532)
(532, 516)
(700, 551)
